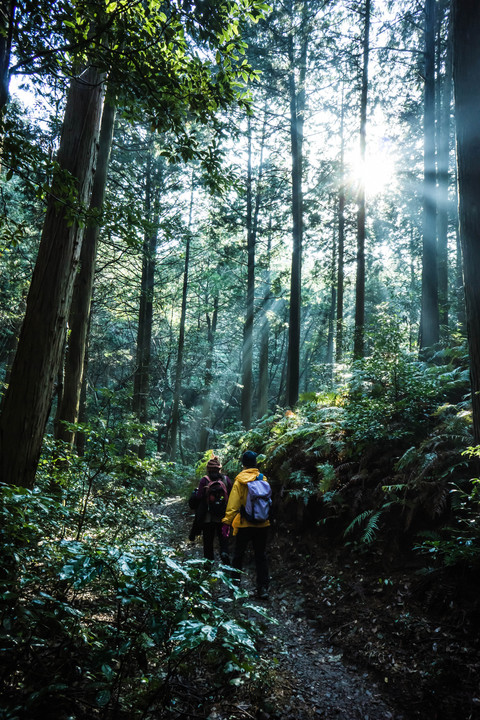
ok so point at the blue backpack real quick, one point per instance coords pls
(259, 501)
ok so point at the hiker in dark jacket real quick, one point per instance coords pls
(212, 493)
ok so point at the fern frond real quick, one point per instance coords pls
(357, 521)
(371, 529)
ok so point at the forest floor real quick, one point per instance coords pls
(351, 641)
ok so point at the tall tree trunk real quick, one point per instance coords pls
(467, 111)
(443, 165)
(253, 210)
(359, 337)
(412, 334)
(26, 403)
(207, 401)
(141, 381)
(7, 19)
(341, 239)
(80, 438)
(429, 321)
(459, 290)
(79, 317)
(297, 110)
(247, 350)
(263, 375)
(175, 421)
(331, 313)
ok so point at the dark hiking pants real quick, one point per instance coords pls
(258, 537)
(211, 530)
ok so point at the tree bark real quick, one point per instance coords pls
(207, 401)
(7, 21)
(359, 336)
(175, 423)
(459, 289)
(263, 374)
(429, 321)
(79, 318)
(467, 112)
(443, 165)
(253, 210)
(297, 109)
(247, 350)
(341, 240)
(26, 403)
(141, 382)
(331, 313)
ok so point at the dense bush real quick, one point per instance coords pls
(381, 452)
(98, 618)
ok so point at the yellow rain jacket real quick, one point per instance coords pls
(238, 497)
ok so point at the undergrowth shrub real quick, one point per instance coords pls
(98, 618)
(394, 398)
(390, 406)
(458, 542)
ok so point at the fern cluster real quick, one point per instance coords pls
(390, 403)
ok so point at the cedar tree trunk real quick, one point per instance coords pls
(467, 113)
(79, 318)
(359, 337)
(26, 403)
(429, 321)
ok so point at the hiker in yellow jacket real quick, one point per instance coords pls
(245, 531)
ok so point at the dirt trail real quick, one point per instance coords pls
(311, 678)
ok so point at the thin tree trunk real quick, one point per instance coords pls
(82, 410)
(12, 344)
(467, 112)
(459, 290)
(341, 239)
(247, 351)
(443, 164)
(207, 401)
(141, 383)
(175, 423)
(79, 317)
(7, 21)
(297, 110)
(252, 231)
(27, 401)
(429, 321)
(359, 336)
(412, 338)
(263, 381)
(331, 313)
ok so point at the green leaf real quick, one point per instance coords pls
(103, 698)
(174, 566)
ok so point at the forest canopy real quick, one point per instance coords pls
(232, 224)
(292, 166)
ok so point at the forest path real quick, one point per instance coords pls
(310, 677)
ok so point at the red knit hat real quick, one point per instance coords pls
(213, 464)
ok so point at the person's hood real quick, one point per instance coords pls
(247, 475)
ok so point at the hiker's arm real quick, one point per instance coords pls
(201, 487)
